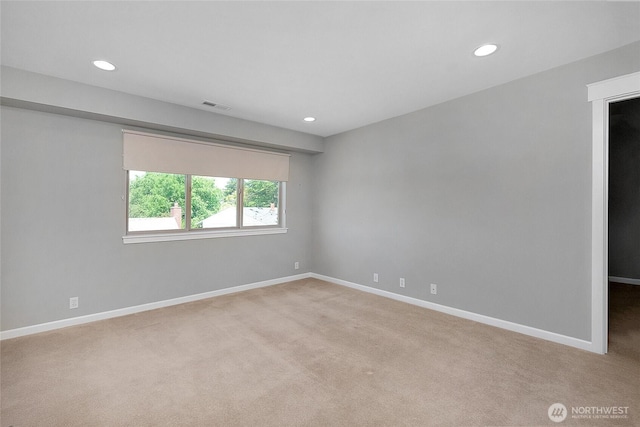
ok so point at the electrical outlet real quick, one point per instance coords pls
(434, 288)
(375, 277)
(73, 302)
(402, 282)
(296, 265)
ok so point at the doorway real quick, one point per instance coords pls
(624, 225)
(601, 95)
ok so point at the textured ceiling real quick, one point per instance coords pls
(347, 63)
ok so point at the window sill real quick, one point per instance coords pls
(195, 235)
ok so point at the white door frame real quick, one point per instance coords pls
(601, 94)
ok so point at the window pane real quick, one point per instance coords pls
(260, 203)
(156, 201)
(213, 202)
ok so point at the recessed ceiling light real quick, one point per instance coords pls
(309, 119)
(485, 50)
(104, 65)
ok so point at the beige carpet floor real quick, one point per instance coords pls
(310, 353)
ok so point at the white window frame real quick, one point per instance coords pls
(208, 233)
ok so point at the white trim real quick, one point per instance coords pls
(195, 235)
(43, 327)
(503, 324)
(617, 86)
(599, 229)
(601, 94)
(625, 280)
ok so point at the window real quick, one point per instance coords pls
(166, 201)
(158, 202)
(224, 212)
(260, 203)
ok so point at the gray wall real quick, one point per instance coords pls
(624, 189)
(488, 196)
(63, 219)
(24, 89)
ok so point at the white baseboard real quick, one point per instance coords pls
(625, 280)
(515, 327)
(49, 326)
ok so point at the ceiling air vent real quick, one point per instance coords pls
(216, 106)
